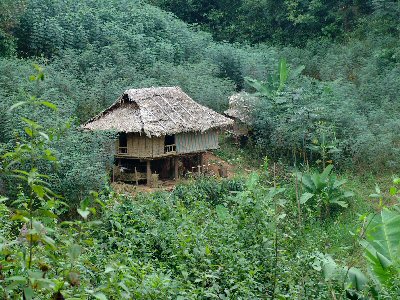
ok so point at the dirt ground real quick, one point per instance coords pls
(216, 163)
(215, 167)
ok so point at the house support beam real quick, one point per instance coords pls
(148, 172)
(176, 167)
(201, 159)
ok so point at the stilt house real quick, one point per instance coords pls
(162, 132)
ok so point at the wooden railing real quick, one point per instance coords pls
(122, 150)
(170, 148)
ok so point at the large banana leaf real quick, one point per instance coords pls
(262, 88)
(315, 182)
(382, 246)
(353, 277)
(283, 74)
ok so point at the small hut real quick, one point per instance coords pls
(241, 107)
(162, 133)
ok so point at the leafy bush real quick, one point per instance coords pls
(323, 190)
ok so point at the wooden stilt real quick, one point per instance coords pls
(136, 177)
(176, 168)
(148, 172)
(202, 167)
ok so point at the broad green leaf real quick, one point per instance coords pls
(339, 183)
(38, 190)
(49, 241)
(74, 251)
(29, 293)
(109, 269)
(305, 197)
(385, 263)
(31, 123)
(348, 194)
(340, 203)
(357, 279)
(382, 245)
(393, 191)
(329, 268)
(306, 181)
(49, 105)
(45, 213)
(100, 296)
(16, 278)
(283, 74)
(28, 131)
(326, 172)
(84, 213)
(375, 196)
(46, 137)
(14, 106)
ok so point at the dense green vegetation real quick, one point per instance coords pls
(290, 21)
(293, 229)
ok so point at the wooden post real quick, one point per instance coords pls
(148, 172)
(201, 159)
(176, 168)
(199, 170)
(136, 177)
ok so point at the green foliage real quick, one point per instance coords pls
(290, 21)
(226, 239)
(379, 239)
(82, 158)
(10, 11)
(32, 260)
(382, 246)
(323, 190)
(275, 82)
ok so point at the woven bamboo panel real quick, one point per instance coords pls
(196, 142)
(158, 146)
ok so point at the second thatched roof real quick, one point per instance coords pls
(241, 107)
(157, 111)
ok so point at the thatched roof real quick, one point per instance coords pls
(157, 111)
(241, 107)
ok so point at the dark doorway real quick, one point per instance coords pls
(169, 140)
(123, 142)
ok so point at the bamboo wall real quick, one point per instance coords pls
(141, 146)
(196, 142)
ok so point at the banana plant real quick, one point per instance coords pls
(275, 82)
(382, 246)
(324, 190)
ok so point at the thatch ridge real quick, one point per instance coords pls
(155, 112)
